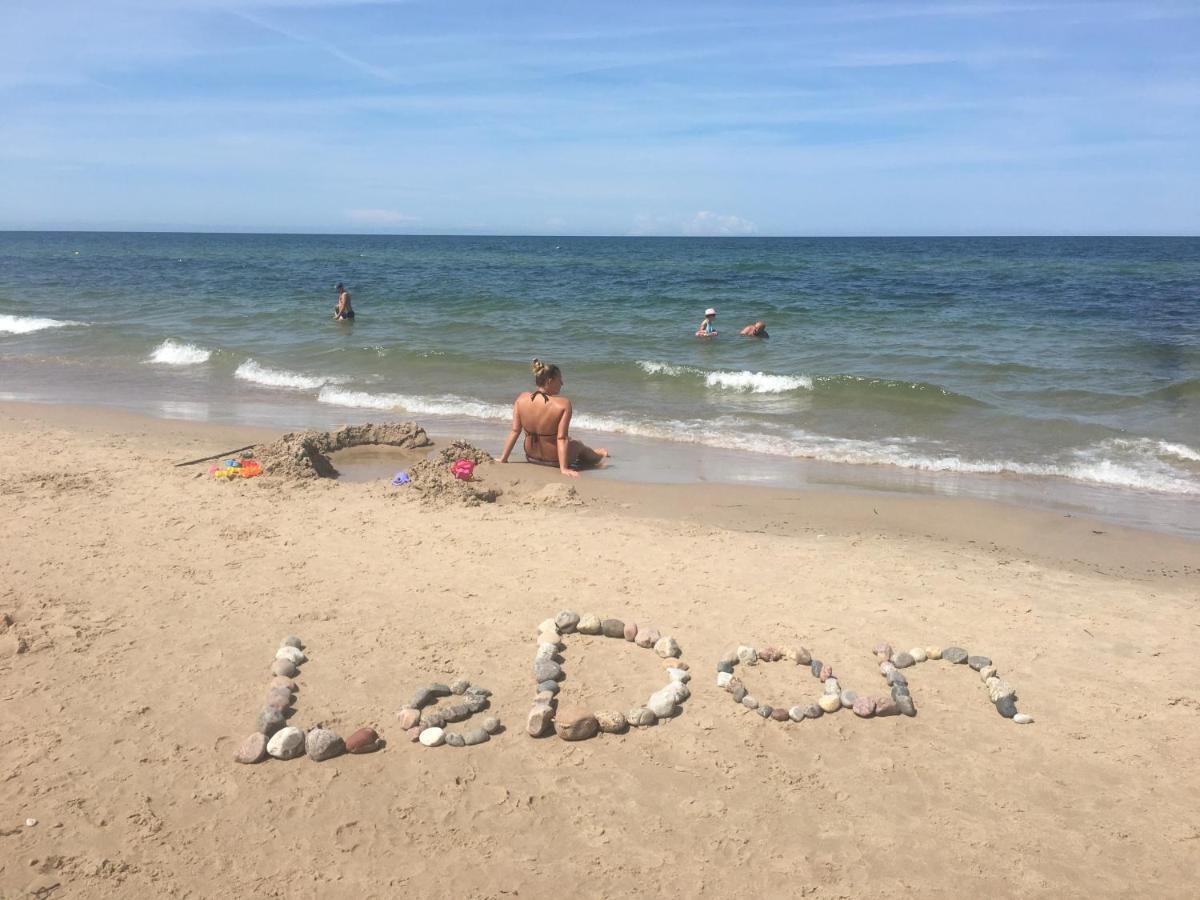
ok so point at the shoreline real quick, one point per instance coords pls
(1065, 539)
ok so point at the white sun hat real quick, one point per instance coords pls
(710, 312)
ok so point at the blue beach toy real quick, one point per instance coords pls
(401, 478)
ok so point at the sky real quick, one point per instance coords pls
(603, 117)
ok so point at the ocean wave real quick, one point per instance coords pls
(758, 382)
(174, 353)
(253, 372)
(657, 368)
(448, 405)
(30, 324)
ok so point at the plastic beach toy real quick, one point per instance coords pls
(463, 469)
(401, 478)
(250, 468)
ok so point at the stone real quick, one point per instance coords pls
(476, 703)
(647, 637)
(895, 678)
(365, 740)
(886, 706)
(414, 733)
(830, 703)
(440, 690)
(287, 743)
(832, 686)
(458, 712)
(408, 717)
(280, 682)
(432, 737)
(543, 696)
(902, 660)
(677, 690)
(1023, 719)
(539, 719)
(798, 655)
(475, 736)
(552, 638)
(575, 723)
(546, 670)
(1007, 706)
(954, 654)
(433, 718)
(779, 714)
(292, 641)
(588, 624)
(545, 651)
(747, 656)
(723, 679)
(270, 720)
(933, 652)
(1001, 689)
(662, 704)
(613, 628)
(796, 714)
(291, 654)
(641, 717)
(825, 672)
(738, 691)
(731, 657)
(454, 739)
(547, 625)
(631, 631)
(864, 707)
(765, 711)
(680, 675)
(421, 698)
(279, 698)
(667, 647)
(551, 686)
(900, 690)
(887, 666)
(491, 724)
(815, 668)
(813, 711)
(566, 621)
(725, 667)
(770, 654)
(252, 750)
(284, 667)
(673, 663)
(478, 690)
(918, 654)
(848, 698)
(749, 702)
(882, 650)
(987, 672)
(905, 704)
(459, 687)
(611, 721)
(978, 662)
(321, 744)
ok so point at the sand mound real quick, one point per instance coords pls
(431, 478)
(306, 454)
(554, 495)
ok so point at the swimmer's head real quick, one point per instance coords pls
(542, 373)
(710, 312)
(340, 287)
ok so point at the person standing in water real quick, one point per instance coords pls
(344, 312)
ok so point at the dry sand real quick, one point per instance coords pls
(150, 603)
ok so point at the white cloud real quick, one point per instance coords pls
(378, 218)
(708, 223)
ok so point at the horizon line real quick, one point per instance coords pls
(575, 236)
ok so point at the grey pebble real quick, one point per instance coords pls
(434, 718)
(457, 713)
(460, 686)
(613, 628)
(848, 698)
(764, 711)
(812, 711)
(440, 690)
(896, 677)
(815, 668)
(454, 739)
(491, 724)
(724, 666)
(1007, 707)
(749, 702)
(551, 686)
(905, 702)
(903, 660)
(954, 654)
(547, 670)
(284, 667)
(476, 703)
(292, 641)
(900, 690)
(476, 736)
(739, 693)
(421, 698)
(566, 621)
(270, 720)
(477, 689)
(976, 662)
(322, 744)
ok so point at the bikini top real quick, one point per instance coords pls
(546, 397)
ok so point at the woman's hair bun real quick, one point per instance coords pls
(538, 366)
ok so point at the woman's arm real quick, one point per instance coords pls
(512, 435)
(564, 441)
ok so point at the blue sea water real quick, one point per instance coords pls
(1039, 361)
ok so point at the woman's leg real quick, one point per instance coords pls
(579, 454)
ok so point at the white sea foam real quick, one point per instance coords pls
(175, 353)
(30, 324)
(448, 405)
(758, 382)
(252, 371)
(657, 368)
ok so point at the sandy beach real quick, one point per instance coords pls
(143, 606)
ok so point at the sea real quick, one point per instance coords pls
(1054, 372)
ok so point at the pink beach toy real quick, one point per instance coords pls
(463, 469)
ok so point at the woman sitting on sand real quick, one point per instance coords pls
(545, 416)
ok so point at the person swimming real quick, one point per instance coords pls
(344, 311)
(758, 330)
(545, 417)
(708, 325)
